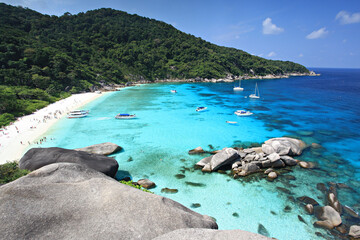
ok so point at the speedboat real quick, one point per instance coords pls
(243, 113)
(199, 109)
(173, 91)
(125, 116)
(78, 114)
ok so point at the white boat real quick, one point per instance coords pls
(231, 122)
(173, 91)
(199, 109)
(243, 113)
(239, 88)
(125, 116)
(256, 94)
(78, 114)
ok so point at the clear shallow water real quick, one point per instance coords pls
(324, 109)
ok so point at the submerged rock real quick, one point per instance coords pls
(101, 148)
(308, 200)
(180, 176)
(195, 205)
(194, 184)
(306, 164)
(262, 230)
(351, 211)
(36, 158)
(169, 190)
(71, 201)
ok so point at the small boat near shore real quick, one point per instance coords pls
(243, 113)
(125, 116)
(173, 91)
(78, 114)
(199, 109)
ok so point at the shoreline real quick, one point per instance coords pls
(15, 138)
(229, 78)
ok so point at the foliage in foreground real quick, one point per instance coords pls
(131, 184)
(10, 171)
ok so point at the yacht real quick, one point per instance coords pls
(243, 113)
(199, 109)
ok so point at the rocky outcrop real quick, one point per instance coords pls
(36, 158)
(71, 201)
(209, 234)
(251, 160)
(101, 148)
(284, 146)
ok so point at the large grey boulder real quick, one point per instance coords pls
(36, 158)
(225, 156)
(204, 161)
(283, 146)
(71, 201)
(210, 234)
(101, 148)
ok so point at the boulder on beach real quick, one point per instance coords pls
(36, 158)
(72, 201)
(225, 156)
(210, 234)
(284, 146)
(101, 148)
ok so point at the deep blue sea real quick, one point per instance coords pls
(323, 110)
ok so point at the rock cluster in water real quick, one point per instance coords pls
(274, 153)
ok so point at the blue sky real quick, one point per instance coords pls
(317, 33)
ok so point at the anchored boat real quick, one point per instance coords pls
(125, 116)
(78, 114)
(243, 113)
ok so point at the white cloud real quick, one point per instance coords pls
(271, 54)
(301, 55)
(348, 18)
(318, 33)
(270, 28)
(260, 55)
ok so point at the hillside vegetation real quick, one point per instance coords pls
(55, 56)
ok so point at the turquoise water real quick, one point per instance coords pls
(324, 109)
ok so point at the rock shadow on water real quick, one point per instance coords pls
(123, 175)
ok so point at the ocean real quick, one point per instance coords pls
(323, 109)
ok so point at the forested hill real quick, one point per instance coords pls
(73, 52)
(40, 50)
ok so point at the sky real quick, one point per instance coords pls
(316, 33)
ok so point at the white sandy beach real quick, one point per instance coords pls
(14, 139)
